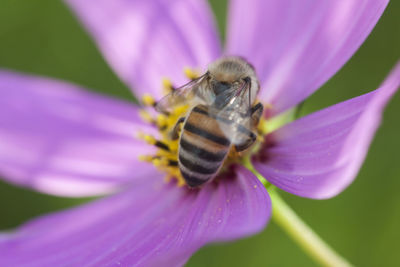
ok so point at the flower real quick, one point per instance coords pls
(59, 139)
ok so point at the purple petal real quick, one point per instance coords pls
(145, 41)
(296, 46)
(61, 140)
(319, 155)
(150, 224)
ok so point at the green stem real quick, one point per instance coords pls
(247, 163)
(303, 235)
(300, 232)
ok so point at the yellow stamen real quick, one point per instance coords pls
(157, 162)
(145, 158)
(147, 138)
(161, 120)
(190, 73)
(181, 181)
(146, 116)
(148, 100)
(167, 85)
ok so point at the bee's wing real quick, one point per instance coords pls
(235, 118)
(182, 95)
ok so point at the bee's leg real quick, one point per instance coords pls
(246, 144)
(175, 131)
(256, 113)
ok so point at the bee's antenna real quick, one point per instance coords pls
(250, 93)
(248, 81)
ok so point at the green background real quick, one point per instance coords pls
(362, 223)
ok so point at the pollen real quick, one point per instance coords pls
(146, 116)
(190, 73)
(145, 158)
(148, 100)
(150, 139)
(161, 121)
(167, 86)
(165, 158)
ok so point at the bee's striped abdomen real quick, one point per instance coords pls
(202, 147)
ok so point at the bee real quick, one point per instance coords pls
(222, 113)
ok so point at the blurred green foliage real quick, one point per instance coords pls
(362, 223)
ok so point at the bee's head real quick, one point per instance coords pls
(229, 70)
(229, 75)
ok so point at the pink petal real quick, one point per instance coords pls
(151, 224)
(59, 139)
(145, 41)
(297, 45)
(319, 155)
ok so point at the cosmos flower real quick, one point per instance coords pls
(60, 139)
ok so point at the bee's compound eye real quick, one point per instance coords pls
(247, 79)
(220, 87)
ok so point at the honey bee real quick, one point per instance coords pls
(222, 113)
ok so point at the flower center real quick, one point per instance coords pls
(166, 157)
